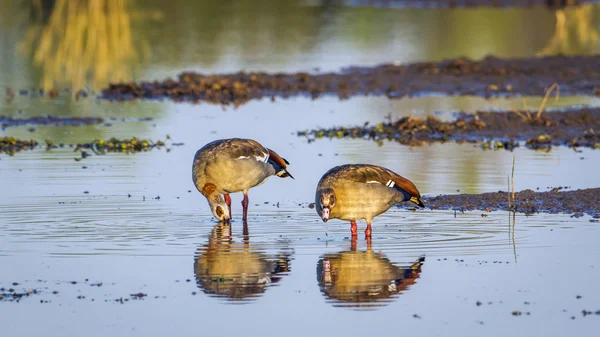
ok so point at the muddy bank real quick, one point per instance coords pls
(489, 77)
(464, 3)
(579, 202)
(574, 128)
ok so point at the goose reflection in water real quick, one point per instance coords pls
(235, 270)
(364, 279)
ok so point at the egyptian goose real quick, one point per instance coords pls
(233, 165)
(354, 192)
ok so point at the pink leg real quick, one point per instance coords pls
(228, 202)
(353, 228)
(368, 231)
(245, 207)
(246, 233)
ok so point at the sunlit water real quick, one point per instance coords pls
(135, 223)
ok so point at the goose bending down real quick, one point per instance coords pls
(355, 192)
(233, 165)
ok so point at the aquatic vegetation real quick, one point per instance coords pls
(11, 145)
(540, 142)
(132, 145)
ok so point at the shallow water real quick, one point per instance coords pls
(142, 227)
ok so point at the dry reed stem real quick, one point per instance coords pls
(528, 117)
(513, 180)
(508, 193)
(548, 92)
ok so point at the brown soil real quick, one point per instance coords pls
(527, 201)
(577, 75)
(574, 128)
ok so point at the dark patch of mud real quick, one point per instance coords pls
(574, 128)
(529, 202)
(463, 3)
(7, 121)
(488, 77)
(12, 145)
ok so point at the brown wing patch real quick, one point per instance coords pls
(407, 185)
(277, 158)
(281, 162)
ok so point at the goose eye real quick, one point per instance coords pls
(219, 211)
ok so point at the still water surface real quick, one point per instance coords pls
(142, 227)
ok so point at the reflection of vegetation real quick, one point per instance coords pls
(575, 32)
(246, 32)
(84, 42)
(234, 270)
(364, 278)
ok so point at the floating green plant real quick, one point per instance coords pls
(132, 145)
(11, 145)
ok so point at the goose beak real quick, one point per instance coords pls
(325, 214)
(289, 174)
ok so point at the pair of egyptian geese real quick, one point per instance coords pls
(346, 192)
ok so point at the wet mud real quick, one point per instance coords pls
(494, 130)
(577, 202)
(465, 3)
(577, 75)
